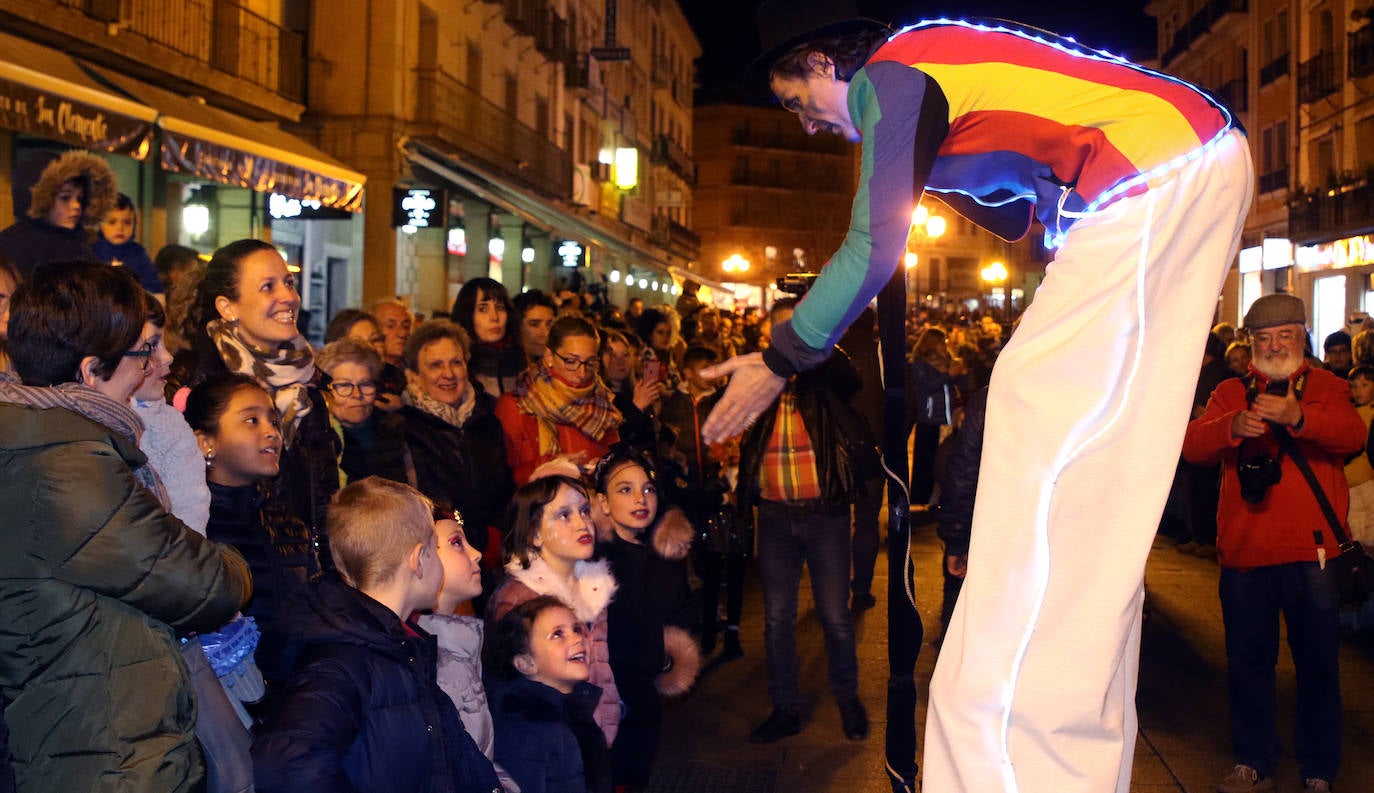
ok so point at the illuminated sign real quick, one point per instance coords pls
(284, 207)
(571, 253)
(418, 208)
(1349, 252)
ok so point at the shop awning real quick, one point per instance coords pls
(44, 92)
(489, 188)
(214, 144)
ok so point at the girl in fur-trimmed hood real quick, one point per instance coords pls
(653, 654)
(56, 198)
(548, 546)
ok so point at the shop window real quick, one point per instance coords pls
(1328, 306)
(1251, 288)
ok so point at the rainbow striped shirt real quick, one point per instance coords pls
(1003, 123)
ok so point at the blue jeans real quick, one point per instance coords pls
(1251, 602)
(789, 536)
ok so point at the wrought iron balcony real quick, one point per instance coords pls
(1274, 69)
(676, 238)
(462, 118)
(1344, 211)
(1317, 77)
(668, 152)
(1200, 24)
(1361, 49)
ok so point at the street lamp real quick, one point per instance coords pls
(735, 264)
(926, 227)
(995, 275)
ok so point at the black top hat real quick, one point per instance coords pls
(783, 24)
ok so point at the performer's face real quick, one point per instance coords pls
(819, 99)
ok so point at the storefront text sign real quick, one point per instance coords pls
(239, 168)
(1349, 252)
(48, 115)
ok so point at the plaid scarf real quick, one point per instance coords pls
(284, 372)
(553, 402)
(83, 400)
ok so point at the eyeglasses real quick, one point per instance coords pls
(343, 388)
(576, 364)
(145, 352)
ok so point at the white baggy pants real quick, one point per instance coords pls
(1034, 690)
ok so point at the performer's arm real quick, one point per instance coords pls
(903, 117)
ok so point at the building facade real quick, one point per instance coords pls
(546, 143)
(1299, 75)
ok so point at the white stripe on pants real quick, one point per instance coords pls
(1034, 689)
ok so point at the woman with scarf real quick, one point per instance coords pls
(244, 322)
(484, 310)
(96, 577)
(560, 407)
(453, 436)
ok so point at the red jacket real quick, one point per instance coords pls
(522, 440)
(1279, 529)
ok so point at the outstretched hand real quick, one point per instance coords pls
(753, 387)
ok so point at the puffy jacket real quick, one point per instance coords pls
(591, 592)
(959, 479)
(95, 576)
(1280, 528)
(273, 541)
(465, 466)
(359, 705)
(547, 740)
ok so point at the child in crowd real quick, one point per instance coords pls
(239, 433)
(548, 545)
(460, 637)
(360, 708)
(116, 245)
(652, 653)
(538, 660)
(1358, 472)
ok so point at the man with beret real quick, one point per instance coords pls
(1273, 541)
(1142, 182)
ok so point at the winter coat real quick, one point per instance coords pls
(31, 241)
(522, 440)
(460, 672)
(959, 479)
(591, 592)
(652, 600)
(1279, 529)
(377, 448)
(133, 258)
(930, 395)
(548, 741)
(95, 577)
(273, 541)
(172, 450)
(846, 453)
(465, 466)
(360, 708)
(495, 367)
(638, 428)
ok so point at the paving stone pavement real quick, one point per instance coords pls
(1183, 744)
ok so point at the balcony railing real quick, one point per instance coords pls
(551, 36)
(1317, 77)
(1345, 211)
(1274, 180)
(1274, 69)
(464, 119)
(1361, 49)
(1199, 24)
(1236, 94)
(668, 152)
(675, 237)
(222, 33)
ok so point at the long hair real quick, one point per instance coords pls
(849, 53)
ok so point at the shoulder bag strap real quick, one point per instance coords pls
(1290, 447)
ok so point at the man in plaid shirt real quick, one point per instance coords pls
(797, 465)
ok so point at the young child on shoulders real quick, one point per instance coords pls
(117, 245)
(537, 659)
(359, 706)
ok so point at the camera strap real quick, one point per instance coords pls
(1252, 387)
(1290, 446)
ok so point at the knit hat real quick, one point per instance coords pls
(1276, 309)
(1338, 339)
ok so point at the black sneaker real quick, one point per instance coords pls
(854, 719)
(862, 601)
(779, 725)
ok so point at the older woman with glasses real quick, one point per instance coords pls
(560, 407)
(373, 441)
(97, 578)
(453, 435)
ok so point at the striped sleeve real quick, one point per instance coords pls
(903, 117)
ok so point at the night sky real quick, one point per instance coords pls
(730, 40)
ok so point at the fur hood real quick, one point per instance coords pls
(591, 591)
(83, 167)
(671, 536)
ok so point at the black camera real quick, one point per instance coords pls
(1258, 474)
(796, 283)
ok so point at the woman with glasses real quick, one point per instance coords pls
(453, 435)
(354, 323)
(373, 442)
(243, 321)
(96, 576)
(560, 408)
